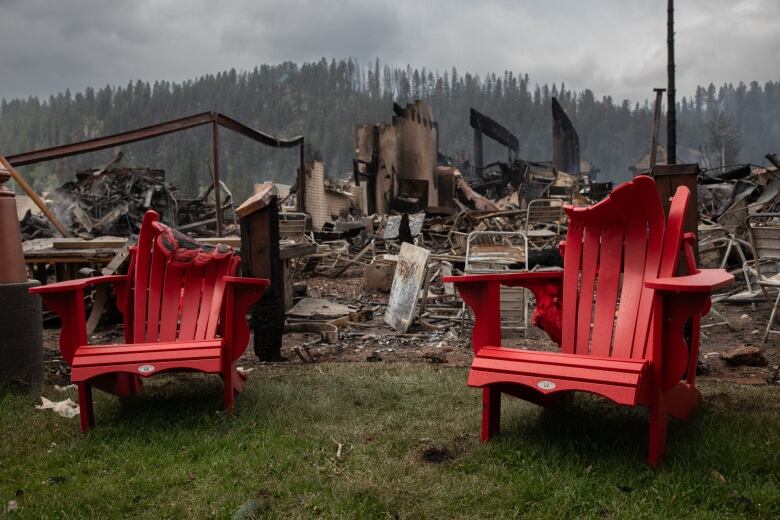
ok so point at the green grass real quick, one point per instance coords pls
(410, 450)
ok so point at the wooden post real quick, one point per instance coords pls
(656, 125)
(260, 258)
(478, 159)
(215, 158)
(671, 109)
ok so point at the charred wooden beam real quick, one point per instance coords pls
(566, 142)
(656, 125)
(494, 130)
(671, 109)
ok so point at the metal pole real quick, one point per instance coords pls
(35, 198)
(215, 159)
(671, 109)
(656, 125)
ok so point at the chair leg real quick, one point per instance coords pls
(86, 412)
(771, 318)
(657, 439)
(228, 390)
(491, 413)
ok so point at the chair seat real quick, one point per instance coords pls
(622, 380)
(146, 359)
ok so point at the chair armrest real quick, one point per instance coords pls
(66, 299)
(705, 281)
(680, 299)
(246, 282)
(507, 279)
(241, 293)
(481, 292)
(73, 285)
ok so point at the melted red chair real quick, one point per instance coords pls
(616, 310)
(183, 308)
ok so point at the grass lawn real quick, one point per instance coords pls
(409, 450)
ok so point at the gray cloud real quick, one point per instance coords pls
(614, 47)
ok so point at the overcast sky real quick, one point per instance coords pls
(615, 47)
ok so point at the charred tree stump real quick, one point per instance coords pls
(260, 259)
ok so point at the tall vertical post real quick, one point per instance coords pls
(215, 159)
(301, 200)
(656, 126)
(671, 109)
(478, 151)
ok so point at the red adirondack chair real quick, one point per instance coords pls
(183, 310)
(616, 310)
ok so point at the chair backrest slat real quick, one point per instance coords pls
(169, 320)
(607, 292)
(209, 282)
(654, 215)
(590, 259)
(141, 277)
(191, 302)
(572, 258)
(633, 283)
(156, 279)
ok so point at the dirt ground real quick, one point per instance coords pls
(373, 340)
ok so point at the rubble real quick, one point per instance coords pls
(745, 355)
(111, 201)
(363, 257)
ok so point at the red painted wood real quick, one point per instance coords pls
(706, 281)
(156, 278)
(215, 308)
(590, 259)
(650, 201)
(171, 299)
(209, 281)
(555, 358)
(146, 357)
(619, 318)
(172, 316)
(571, 280)
(97, 350)
(505, 278)
(191, 302)
(491, 413)
(631, 291)
(209, 365)
(606, 294)
(141, 275)
(556, 373)
(73, 285)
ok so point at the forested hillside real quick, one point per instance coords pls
(323, 101)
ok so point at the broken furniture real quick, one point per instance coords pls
(184, 309)
(502, 251)
(543, 221)
(292, 227)
(616, 251)
(21, 349)
(764, 233)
